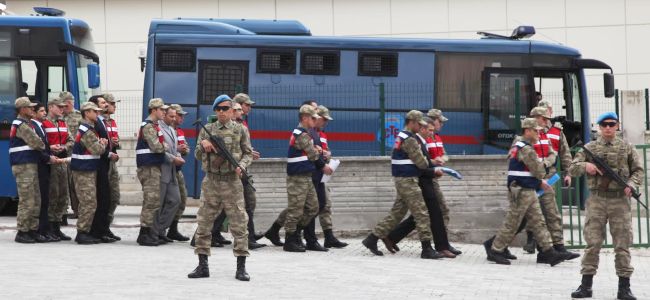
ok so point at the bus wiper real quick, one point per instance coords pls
(63, 46)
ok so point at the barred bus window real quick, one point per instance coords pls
(176, 60)
(378, 64)
(320, 62)
(276, 61)
(217, 77)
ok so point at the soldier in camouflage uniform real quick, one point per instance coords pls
(85, 161)
(150, 155)
(608, 202)
(407, 163)
(26, 151)
(72, 118)
(222, 187)
(113, 174)
(525, 176)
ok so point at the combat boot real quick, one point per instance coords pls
(112, 235)
(508, 255)
(39, 238)
(146, 238)
(174, 234)
(428, 252)
(571, 255)
(292, 243)
(164, 239)
(49, 234)
(371, 243)
(219, 238)
(454, 250)
(531, 244)
(252, 244)
(584, 290)
(273, 234)
(202, 269)
(551, 257)
(241, 269)
(331, 241)
(492, 255)
(315, 246)
(56, 228)
(624, 292)
(85, 238)
(390, 245)
(24, 238)
(299, 236)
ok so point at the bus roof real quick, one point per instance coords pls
(40, 21)
(216, 32)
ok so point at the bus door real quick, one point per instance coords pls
(498, 93)
(216, 77)
(561, 89)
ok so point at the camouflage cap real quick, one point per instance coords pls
(530, 123)
(179, 109)
(324, 112)
(24, 102)
(242, 98)
(236, 106)
(57, 102)
(416, 115)
(89, 105)
(544, 103)
(64, 96)
(540, 112)
(157, 103)
(110, 98)
(309, 110)
(436, 114)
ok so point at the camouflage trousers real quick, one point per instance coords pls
(149, 177)
(29, 196)
(58, 193)
(85, 183)
(616, 211)
(114, 186)
(409, 198)
(443, 204)
(183, 191)
(74, 201)
(249, 197)
(217, 193)
(552, 217)
(302, 202)
(325, 214)
(523, 203)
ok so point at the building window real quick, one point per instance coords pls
(176, 60)
(320, 63)
(377, 64)
(276, 61)
(217, 77)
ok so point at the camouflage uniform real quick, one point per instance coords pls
(149, 177)
(409, 197)
(59, 184)
(608, 203)
(183, 192)
(72, 120)
(29, 194)
(86, 182)
(222, 188)
(113, 181)
(524, 203)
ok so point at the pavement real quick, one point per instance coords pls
(124, 270)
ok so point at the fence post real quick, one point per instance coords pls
(382, 119)
(616, 102)
(647, 117)
(517, 108)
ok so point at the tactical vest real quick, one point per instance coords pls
(553, 135)
(111, 127)
(435, 146)
(57, 131)
(323, 140)
(518, 172)
(297, 160)
(181, 141)
(19, 151)
(82, 159)
(143, 155)
(401, 164)
(542, 147)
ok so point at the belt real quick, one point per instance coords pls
(224, 177)
(608, 194)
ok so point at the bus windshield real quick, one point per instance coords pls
(82, 37)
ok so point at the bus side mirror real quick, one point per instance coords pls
(608, 80)
(93, 76)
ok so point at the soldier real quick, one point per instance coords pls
(86, 152)
(525, 176)
(609, 202)
(222, 187)
(61, 143)
(150, 155)
(183, 149)
(72, 119)
(26, 151)
(322, 192)
(40, 115)
(170, 196)
(406, 162)
(113, 174)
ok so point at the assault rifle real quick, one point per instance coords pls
(609, 173)
(219, 144)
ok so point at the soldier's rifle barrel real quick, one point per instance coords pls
(219, 144)
(608, 172)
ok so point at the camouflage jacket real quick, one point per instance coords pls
(237, 143)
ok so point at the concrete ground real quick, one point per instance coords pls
(124, 270)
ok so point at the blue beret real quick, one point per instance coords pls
(219, 99)
(607, 116)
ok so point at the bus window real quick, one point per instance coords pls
(56, 82)
(81, 37)
(8, 92)
(28, 72)
(552, 89)
(218, 77)
(5, 44)
(575, 101)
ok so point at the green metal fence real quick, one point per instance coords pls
(571, 201)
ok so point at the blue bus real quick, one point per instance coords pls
(40, 56)
(366, 82)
